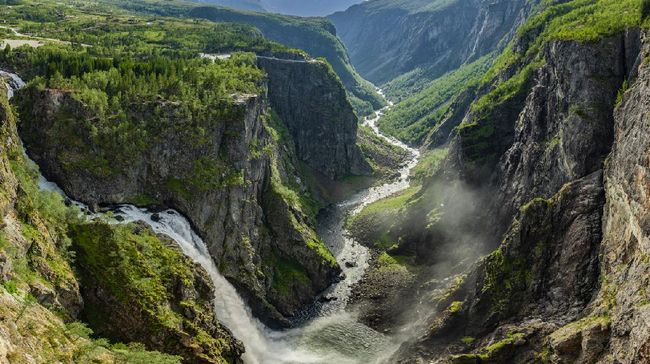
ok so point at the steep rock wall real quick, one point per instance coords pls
(626, 228)
(552, 290)
(309, 99)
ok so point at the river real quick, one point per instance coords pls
(327, 332)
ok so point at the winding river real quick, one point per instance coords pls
(327, 332)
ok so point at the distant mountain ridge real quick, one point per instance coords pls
(308, 7)
(254, 5)
(288, 7)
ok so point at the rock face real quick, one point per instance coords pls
(573, 95)
(534, 158)
(229, 176)
(312, 104)
(387, 39)
(40, 289)
(626, 229)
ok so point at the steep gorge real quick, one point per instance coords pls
(522, 184)
(246, 212)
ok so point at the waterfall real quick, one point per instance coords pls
(332, 336)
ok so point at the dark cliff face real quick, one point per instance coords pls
(227, 175)
(626, 222)
(309, 99)
(386, 40)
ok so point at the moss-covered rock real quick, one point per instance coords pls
(138, 287)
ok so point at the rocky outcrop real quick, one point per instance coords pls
(573, 95)
(387, 39)
(140, 287)
(221, 173)
(309, 99)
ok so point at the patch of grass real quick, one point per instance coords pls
(286, 274)
(10, 286)
(455, 307)
(619, 95)
(467, 340)
(429, 164)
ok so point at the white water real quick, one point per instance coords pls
(329, 334)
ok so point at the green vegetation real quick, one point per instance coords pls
(467, 340)
(576, 327)
(286, 274)
(415, 116)
(289, 190)
(505, 279)
(386, 262)
(384, 157)
(455, 307)
(140, 278)
(131, 353)
(619, 95)
(496, 352)
(133, 265)
(132, 67)
(377, 223)
(429, 164)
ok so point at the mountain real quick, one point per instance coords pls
(308, 7)
(520, 221)
(387, 39)
(177, 185)
(254, 5)
(226, 143)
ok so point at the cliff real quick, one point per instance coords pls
(531, 149)
(310, 101)
(233, 174)
(44, 297)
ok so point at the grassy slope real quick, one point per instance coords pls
(412, 118)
